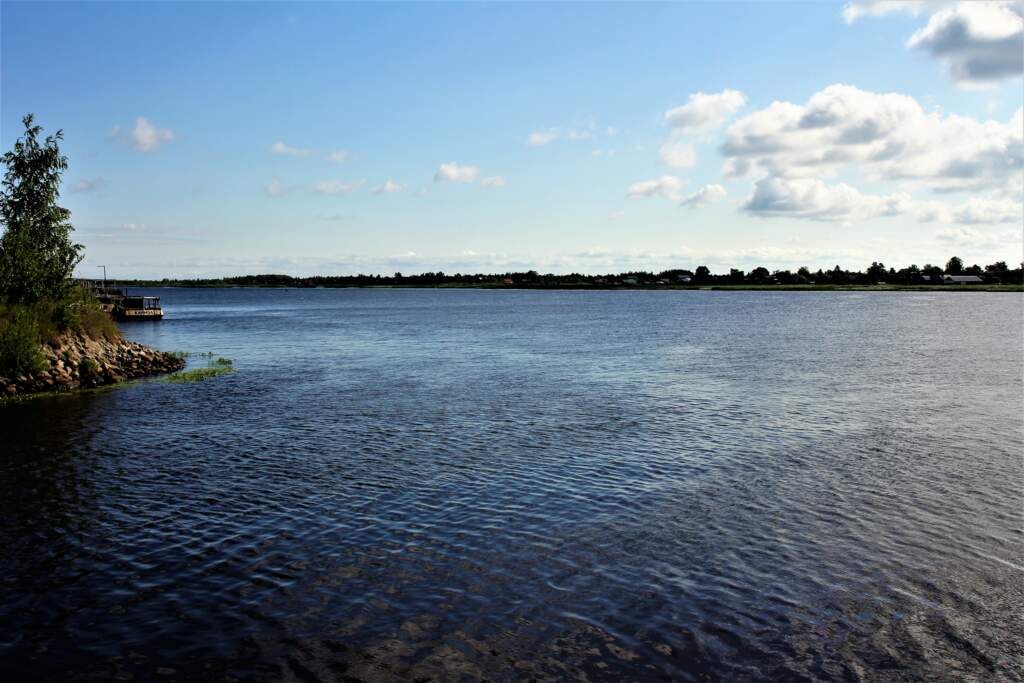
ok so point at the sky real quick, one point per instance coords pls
(210, 139)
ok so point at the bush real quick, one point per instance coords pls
(19, 343)
(88, 369)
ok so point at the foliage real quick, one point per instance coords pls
(995, 274)
(37, 256)
(88, 369)
(19, 343)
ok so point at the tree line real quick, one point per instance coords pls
(877, 273)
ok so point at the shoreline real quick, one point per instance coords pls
(143, 284)
(76, 361)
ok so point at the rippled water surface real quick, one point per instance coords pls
(436, 484)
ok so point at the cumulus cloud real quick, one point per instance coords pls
(87, 185)
(146, 137)
(980, 42)
(283, 149)
(456, 173)
(887, 136)
(705, 195)
(338, 156)
(493, 181)
(812, 199)
(336, 188)
(389, 187)
(677, 154)
(703, 111)
(666, 186)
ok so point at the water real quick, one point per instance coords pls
(511, 485)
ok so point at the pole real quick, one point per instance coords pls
(104, 279)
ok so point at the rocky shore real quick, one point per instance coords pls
(74, 361)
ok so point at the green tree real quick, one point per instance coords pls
(876, 271)
(954, 266)
(37, 256)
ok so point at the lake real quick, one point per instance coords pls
(501, 484)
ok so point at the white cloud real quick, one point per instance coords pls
(705, 195)
(980, 42)
(493, 181)
(541, 138)
(666, 186)
(281, 148)
(974, 240)
(133, 227)
(703, 111)
(812, 199)
(275, 188)
(389, 187)
(876, 8)
(456, 173)
(338, 156)
(146, 137)
(337, 188)
(886, 136)
(677, 154)
(974, 210)
(87, 185)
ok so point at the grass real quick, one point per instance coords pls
(24, 328)
(214, 368)
(197, 375)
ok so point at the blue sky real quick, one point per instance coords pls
(210, 139)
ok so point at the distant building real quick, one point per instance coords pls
(629, 280)
(684, 279)
(507, 281)
(962, 280)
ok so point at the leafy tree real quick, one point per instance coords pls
(954, 266)
(702, 274)
(759, 275)
(37, 256)
(876, 271)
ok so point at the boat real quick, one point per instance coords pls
(138, 308)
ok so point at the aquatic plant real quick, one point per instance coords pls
(214, 368)
(196, 375)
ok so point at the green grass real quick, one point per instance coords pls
(25, 328)
(197, 375)
(214, 368)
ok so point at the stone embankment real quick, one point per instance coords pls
(74, 361)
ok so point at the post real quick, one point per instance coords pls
(104, 279)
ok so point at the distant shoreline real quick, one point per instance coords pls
(151, 284)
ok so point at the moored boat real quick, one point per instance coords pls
(138, 308)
